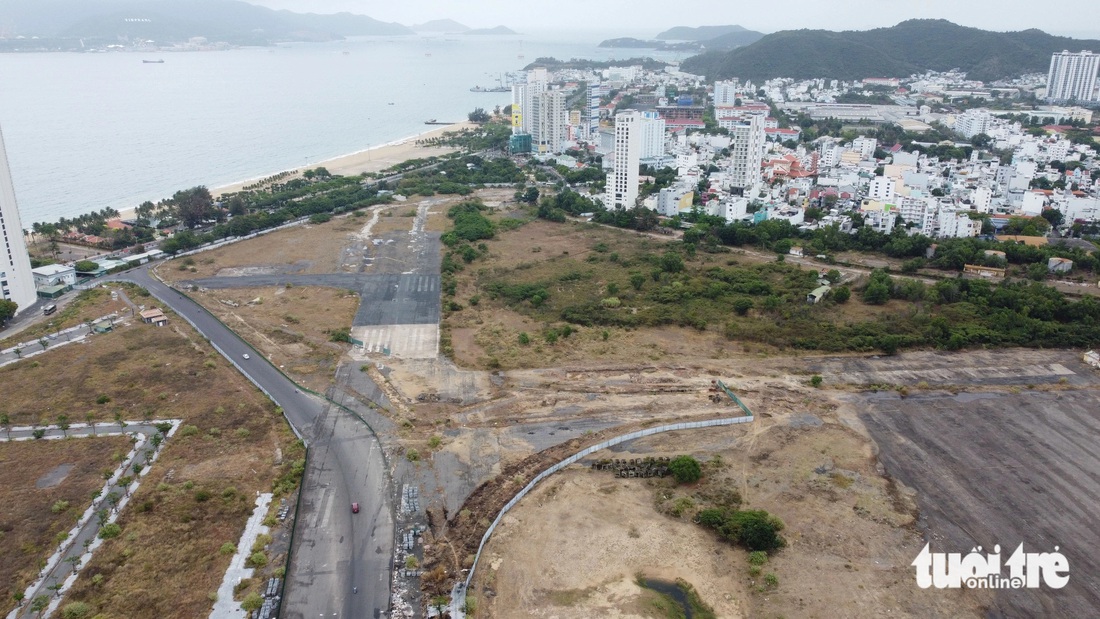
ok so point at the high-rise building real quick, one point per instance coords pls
(622, 181)
(865, 147)
(725, 93)
(549, 121)
(16, 279)
(1073, 76)
(653, 136)
(747, 142)
(593, 109)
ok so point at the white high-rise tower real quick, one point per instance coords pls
(622, 182)
(16, 279)
(1073, 76)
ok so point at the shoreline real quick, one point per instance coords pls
(370, 159)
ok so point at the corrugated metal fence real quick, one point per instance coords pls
(459, 596)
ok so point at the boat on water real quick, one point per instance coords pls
(493, 89)
(153, 61)
(432, 121)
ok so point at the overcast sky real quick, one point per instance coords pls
(649, 17)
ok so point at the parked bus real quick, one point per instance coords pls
(49, 309)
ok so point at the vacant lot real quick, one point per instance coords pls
(47, 486)
(574, 547)
(1003, 468)
(87, 305)
(290, 325)
(198, 496)
(610, 283)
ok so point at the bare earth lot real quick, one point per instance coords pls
(38, 474)
(1003, 468)
(233, 444)
(574, 547)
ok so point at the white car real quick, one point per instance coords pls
(246, 357)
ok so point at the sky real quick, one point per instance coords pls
(648, 17)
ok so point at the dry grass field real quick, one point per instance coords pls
(47, 486)
(233, 444)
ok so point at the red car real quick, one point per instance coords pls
(355, 508)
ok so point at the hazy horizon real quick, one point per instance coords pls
(649, 17)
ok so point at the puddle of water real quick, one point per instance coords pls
(673, 591)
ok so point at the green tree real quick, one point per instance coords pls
(39, 604)
(479, 115)
(86, 266)
(637, 280)
(671, 262)
(742, 306)
(5, 422)
(7, 310)
(685, 469)
(842, 294)
(63, 424)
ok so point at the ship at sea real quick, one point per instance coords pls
(153, 61)
(504, 84)
(493, 89)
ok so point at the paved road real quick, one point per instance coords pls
(335, 551)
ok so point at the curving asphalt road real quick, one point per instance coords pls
(341, 564)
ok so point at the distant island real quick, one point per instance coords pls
(913, 46)
(446, 26)
(683, 38)
(496, 30)
(554, 64)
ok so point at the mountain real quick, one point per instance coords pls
(441, 25)
(174, 21)
(732, 40)
(497, 30)
(702, 33)
(910, 47)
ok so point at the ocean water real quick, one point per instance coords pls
(87, 131)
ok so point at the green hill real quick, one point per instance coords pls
(702, 33)
(910, 47)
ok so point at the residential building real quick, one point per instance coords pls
(973, 122)
(958, 225)
(725, 93)
(1072, 76)
(549, 120)
(1059, 265)
(16, 279)
(865, 147)
(652, 135)
(622, 182)
(982, 199)
(919, 211)
(593, 109)
(747, 143)
(882, 188)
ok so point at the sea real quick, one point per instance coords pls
(85, 131)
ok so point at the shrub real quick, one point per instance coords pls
(758, 557)
(103, 399)
(258, 559)
(742, 306)
(228, 548)
(771, 580)
(524, 339)
(435, 441)
(76, 610)
(110, 531)
(59, 506)
(842, 294)
(253, 601)
(685, 469)
(412, 455)
(202, 495)
(816, 380)
(189, 430)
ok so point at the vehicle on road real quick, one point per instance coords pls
(49, 309)
(355, 508)
(246, 357)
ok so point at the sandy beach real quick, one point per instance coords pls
(369, 160)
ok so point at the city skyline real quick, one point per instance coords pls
(648, 17)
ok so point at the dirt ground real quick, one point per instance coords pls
(288, 325)
(575, 546)
(38, 475)
(233, 443)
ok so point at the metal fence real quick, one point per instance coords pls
(458, 604)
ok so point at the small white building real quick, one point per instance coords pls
(1059, 265)
(54, 275)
